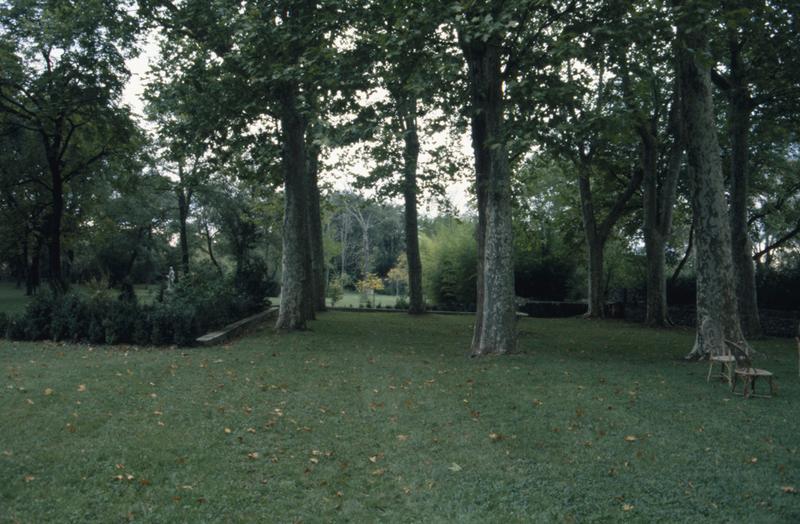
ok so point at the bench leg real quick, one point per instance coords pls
(710, 369)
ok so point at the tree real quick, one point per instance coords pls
(62, 81)
(645, 72)
(717, 315)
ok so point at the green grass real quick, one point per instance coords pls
(378, 417)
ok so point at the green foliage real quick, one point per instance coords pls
(449, 258)
(335, 291)
(197, 303)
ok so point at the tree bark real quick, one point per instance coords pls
(495, 326)
(54, 228)
(740, 109)
(717, 315)
(658, 203)
(316, 247)
(183, 217)
(296, 306)
(210, 246)
(595, 245)
(410, 160)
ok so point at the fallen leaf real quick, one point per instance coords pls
(251, 430)
(253, 456)
(227, 431)
(496, 437)
(48, 392)
(71, 428)
(378, 472)
(790, 489)
(454, 467)
(631, 438)
(157, 413)
(28, 478)
(314, 460)
(119, 466)
(402, 438)
(81, 388)
(29, 401)
(627, 507)
(753, 460)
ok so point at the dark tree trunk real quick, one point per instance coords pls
(659, 199)
(410, 159)
(316, 247)
(296, 306)
(54, 230)
(740, 108)
(717, 314)
(495, 326)
(210, 248)
(597, 234)
(183, 217)
(34, 274)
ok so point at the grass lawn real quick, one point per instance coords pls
(379, 417)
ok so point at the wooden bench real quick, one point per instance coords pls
(749, 377)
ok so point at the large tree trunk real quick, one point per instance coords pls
(495, 327)
(740, 109)
(410, 159)
(316, 247)
(296, 305)
(717, 315)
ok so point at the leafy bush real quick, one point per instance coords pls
(198, 303)
(449, 257)
(335, 291)
(401, 303)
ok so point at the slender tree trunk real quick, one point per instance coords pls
(183, 217)
(410, 159)
(34, 274)
(596, 289)
(495, 327)
(717, 314)
(595, 246)
(54, 229)
(316, 247)
(210, 246)
(296, 306)
(658, 203)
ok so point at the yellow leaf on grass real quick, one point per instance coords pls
(631, 438)
(81, 388)
(227, 431)
(402, 438)
(454, 467)
(253, 456)
(28, 478)
(627, 507)
(790, 489)
(378, 472)
(48, 392)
